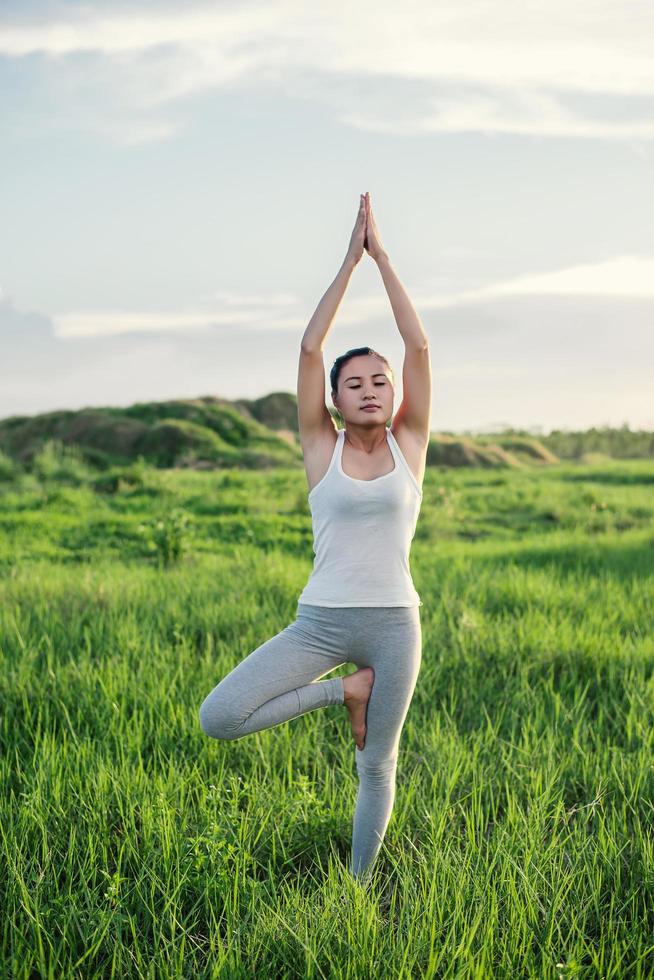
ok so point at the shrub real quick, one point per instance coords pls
(56, 460)
(167, 535)
(8, 468)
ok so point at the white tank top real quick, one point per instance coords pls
(362, 533)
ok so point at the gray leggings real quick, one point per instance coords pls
(280, 680)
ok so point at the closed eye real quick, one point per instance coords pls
(382, 383)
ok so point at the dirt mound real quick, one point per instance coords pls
(447, 450)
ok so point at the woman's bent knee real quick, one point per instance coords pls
(216, 720)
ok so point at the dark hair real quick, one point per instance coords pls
(342, 359)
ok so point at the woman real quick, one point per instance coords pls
(359, 605)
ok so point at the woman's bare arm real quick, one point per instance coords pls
(415, 411)
(313, 413)
(408, 321)
(321, 321)
(319, 324)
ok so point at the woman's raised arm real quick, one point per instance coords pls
(321, 321)
(408, 321)
(415, 411)
(311, 407)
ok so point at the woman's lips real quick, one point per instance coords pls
(370, 408)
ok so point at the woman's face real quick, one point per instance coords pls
(365, 380)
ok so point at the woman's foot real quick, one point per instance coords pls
(357, 688)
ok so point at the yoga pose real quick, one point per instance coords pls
(359, 605)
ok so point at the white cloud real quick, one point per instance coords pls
(487, 66)
(587, 46)
(253, 314)
(522, 112)
(91, 30)
(626, 276)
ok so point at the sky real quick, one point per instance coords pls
(180, 183)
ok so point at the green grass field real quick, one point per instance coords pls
(521, 843)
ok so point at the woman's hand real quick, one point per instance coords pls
(373, 243)
(355, 250)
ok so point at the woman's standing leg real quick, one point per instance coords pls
(278, 680)
(388, 639)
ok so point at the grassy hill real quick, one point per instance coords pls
(199, 433)
(215, 433)
(449, 450)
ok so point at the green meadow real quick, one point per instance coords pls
(522, 839)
